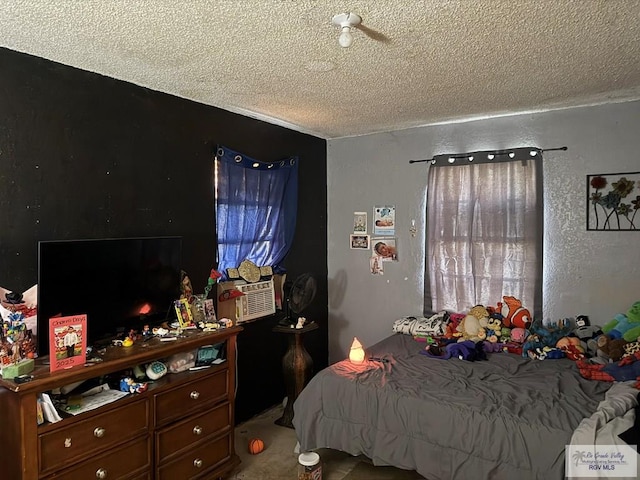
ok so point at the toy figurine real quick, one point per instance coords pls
(128, 384)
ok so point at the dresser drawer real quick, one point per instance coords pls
(198, 461)
(176, 403)
(185, 433)
(142, 476)
(79, 440)
(118, 463)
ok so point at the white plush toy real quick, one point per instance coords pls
(471, 329)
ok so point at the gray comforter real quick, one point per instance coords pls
(503, 418)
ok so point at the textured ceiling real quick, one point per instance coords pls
(412, 62)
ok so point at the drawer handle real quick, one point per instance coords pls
(101, 473)
(99, 432)
(197, 463)
(194, 395)
(197, 430)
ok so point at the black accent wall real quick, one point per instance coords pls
(87, 156)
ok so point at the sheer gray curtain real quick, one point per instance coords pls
(484, 235)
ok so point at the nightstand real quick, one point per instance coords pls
(297, 367)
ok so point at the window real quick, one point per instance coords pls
(484, 233)
(256, 206)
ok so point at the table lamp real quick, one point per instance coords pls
(356, 354)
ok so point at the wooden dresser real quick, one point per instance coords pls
(182, 427)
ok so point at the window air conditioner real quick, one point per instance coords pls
(258, 300)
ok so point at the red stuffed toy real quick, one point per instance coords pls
(451, 329)
(514, 314)
(626, 369)
(572, 347)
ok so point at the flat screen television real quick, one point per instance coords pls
(120, 283)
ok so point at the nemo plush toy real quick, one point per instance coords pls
(514, 314)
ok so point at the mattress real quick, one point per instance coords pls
(502, 418)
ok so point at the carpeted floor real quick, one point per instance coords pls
(279, 460)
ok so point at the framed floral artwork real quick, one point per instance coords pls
(613, 201)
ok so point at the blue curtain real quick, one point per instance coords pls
(256, 207)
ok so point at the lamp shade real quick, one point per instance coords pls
(356, 353)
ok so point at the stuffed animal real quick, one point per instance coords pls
(532, 344)
(612, 348)
(451, 330)
(572, 347)
(626, 369)
(549, 334)
(496, 312)
(584, 330)
(435, 325)
(466, 350)
(514, 314)
(519, 335)
(435, 351)
(625, 326)
(494, 329)
(570, 340)
(492, 347)
(479, 312)
(505, 334)
(631, 348)
(572, 352)
(472, 329)
(518, 338)
(618, 327)
(545, 352)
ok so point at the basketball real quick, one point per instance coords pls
(255, 446)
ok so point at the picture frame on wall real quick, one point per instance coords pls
(384, 220)
(359, 222)
(386, 248)
(359, 242)
(613, 201)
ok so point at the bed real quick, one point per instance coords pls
(502, 418)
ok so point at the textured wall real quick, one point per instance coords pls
(593, 273)
(86, 156)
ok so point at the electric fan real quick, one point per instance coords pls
(298, 295)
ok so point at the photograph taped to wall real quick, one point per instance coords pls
(359, 242)
(376, 265)
(613, 201)
(359, 222)
(384, 220)
(385, 247)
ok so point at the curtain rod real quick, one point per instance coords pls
(509, 151)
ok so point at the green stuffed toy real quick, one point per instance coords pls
(625, 326)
